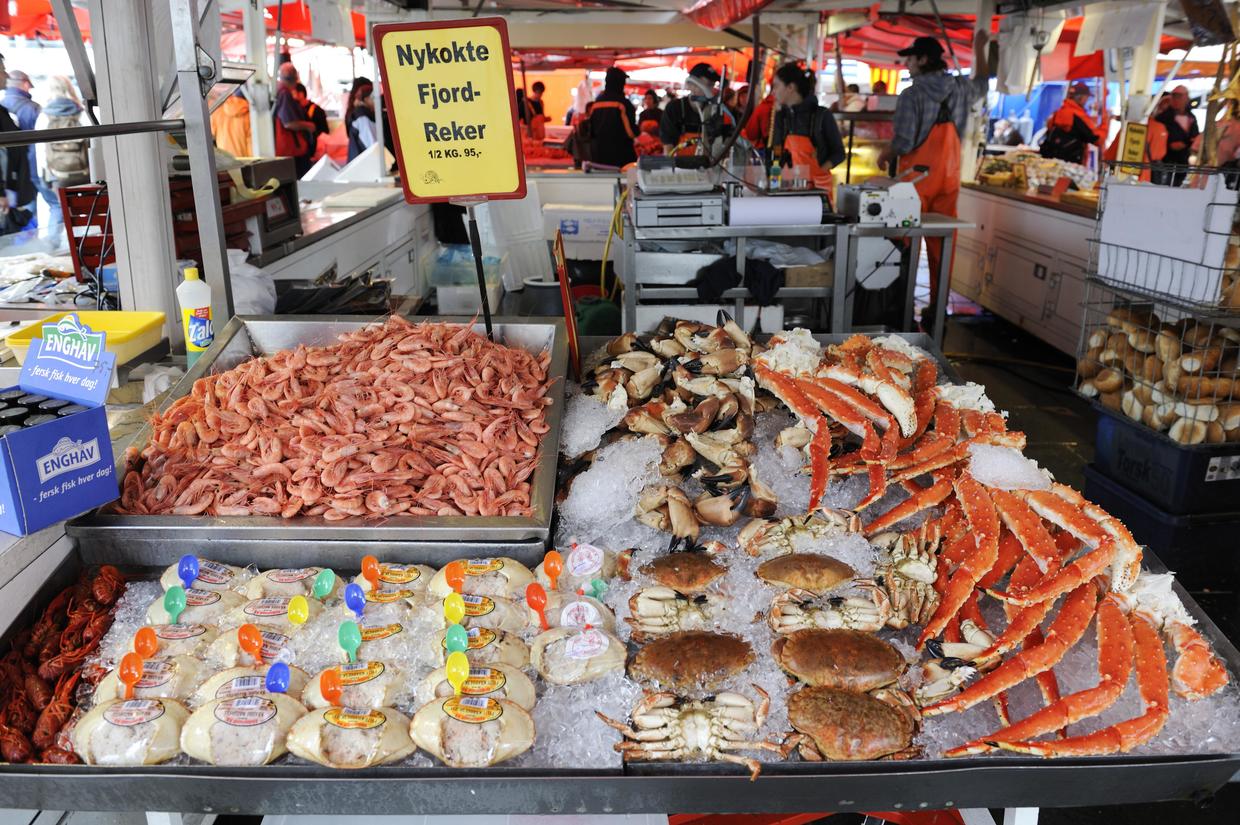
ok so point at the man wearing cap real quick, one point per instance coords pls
(682, 119)
(294, 129)
(930, 117)
(1182, 131)
(613, 122)
(1071, 128)
(25, 111)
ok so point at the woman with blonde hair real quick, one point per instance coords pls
(64, 162)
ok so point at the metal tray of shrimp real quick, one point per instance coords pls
(290, 787)
(156, 540)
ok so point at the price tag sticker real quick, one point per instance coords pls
(452, 106)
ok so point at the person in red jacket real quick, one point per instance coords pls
(1071, 128)
(758, 128)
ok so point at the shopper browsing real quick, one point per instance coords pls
(650, 109)
(612, 119)
(359, 119)
(1071, 128)
(64, 162)
(805, 134)
(15, 172)
(294, 129)
(25, 112)
(1182, 132)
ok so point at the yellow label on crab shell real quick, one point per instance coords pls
(483, 680)
(134, 712)
(377, 632)
(478, 567)
(356, 673)
(387, 597)
(473, 709)
(479, 637)
(399, 573)
(478, 605)
(354, 719)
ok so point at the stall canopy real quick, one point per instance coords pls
(296, 21)
(33, 19)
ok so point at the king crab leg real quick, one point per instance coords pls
(1069, 625)
(785, 389)
(979, 512)
(1027, 528)
(1115, 649)
(1154, 687)
(925, 498)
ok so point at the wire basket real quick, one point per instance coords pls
(1171, 234)
(1158, 364)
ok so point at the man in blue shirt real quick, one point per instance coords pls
(25, 112)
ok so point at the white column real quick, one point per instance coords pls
(135, 166)
(976, 131)
(258, 88)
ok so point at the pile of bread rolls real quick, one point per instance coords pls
(1180, 378)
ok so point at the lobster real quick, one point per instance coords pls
(108, 585)
(66, 660)
(49, 624)
(14, 746)
(37, 690)
(57, 712)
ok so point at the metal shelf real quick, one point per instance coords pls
(682, 293)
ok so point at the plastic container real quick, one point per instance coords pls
(1163, 532)
(1173, 477)
(465, 300)
(129, 333)
(194, 298)
(455, 267)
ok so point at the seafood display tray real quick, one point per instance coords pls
(162, 539)
(993, 781)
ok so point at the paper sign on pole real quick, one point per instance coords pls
(1132, 150)
(452, 108)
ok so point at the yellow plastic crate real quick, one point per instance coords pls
(129, 333)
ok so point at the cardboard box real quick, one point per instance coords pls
(578, 222)
(61, 468)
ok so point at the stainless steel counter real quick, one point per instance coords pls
(318, 223)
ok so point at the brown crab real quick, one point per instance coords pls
(847, 659)
(691, 660)
(812, 572)
(688, 571)
(845, 725)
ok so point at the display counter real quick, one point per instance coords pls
(1025, 260)
(390, 236)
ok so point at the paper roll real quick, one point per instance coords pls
(793, 210)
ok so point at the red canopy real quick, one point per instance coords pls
(719, 14)
(296, 21)
(34, 19)
(878, 42)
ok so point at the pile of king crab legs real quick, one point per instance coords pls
(1044, 553)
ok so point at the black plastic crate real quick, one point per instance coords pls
(1174, 477)
(1174, 538)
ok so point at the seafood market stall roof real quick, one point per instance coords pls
(992, 781)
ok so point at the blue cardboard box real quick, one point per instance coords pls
(59, 469)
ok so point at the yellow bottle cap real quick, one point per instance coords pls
(191, 273)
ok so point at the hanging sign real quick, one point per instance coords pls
(1132, 150)
(452, 109)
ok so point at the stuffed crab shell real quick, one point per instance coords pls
(287, 582)
(272, 611)
(212, 575)
(488, 647)
(174, 677)
(571, 655)
(498, 576)
(473, 731)
(243, 730)
(496, 681)
(351, 737)
(201, 607)
(130, 732)
(226, 651)
(573, 610)
(244, 681)
(583, 563)
(362, 685)
(406, 579)
(182, 639)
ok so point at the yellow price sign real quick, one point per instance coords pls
(452, 108)
(1133, 148)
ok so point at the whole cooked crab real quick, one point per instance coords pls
(845, 725)
(864, 606)
(688, 572)
(659, 610)
(762, 537)
(691, 660)
(811, 572)
(847, 659)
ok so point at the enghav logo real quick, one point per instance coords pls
(68, 455)
(71, 343)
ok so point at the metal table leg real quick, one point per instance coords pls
(839, 286)
(945, 277)
(630, 278)
(910, 295)
(739, 307)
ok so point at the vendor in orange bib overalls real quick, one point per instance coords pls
(930, 116)
(804, 135)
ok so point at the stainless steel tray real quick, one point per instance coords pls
(160, 539)
(652, 787)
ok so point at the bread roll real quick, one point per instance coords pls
(1167, 344)
(1215, 434)
(1131, 405)
(1111, 400)
(1187, 431)
(1109, 380)
(1088, 366)
(1201, 360)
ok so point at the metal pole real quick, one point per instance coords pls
(138, 127)
(201, 152)
(475, 241)
(75, 48)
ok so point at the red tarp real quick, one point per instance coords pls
(295, 22)
(34, 19)
(719, 14)
(878, 42)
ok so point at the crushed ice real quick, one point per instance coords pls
(586, 419)
(1005, 468)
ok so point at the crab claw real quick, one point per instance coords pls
(641, 384)
(721, 510)
(697, 420)
(677, 455)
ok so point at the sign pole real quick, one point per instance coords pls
(475, 241)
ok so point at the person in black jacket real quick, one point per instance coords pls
(682, 119)
(612, 123)
(1071, 129)
(1181, 131)
(15, 172)
(805, 134)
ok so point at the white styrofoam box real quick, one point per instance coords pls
(512, 219)
(465, 300)
(578, 222)
(1165, 239)
(649, 316)
(592, 251)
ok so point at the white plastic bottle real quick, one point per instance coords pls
(194, 296)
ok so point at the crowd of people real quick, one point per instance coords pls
(38, 171)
